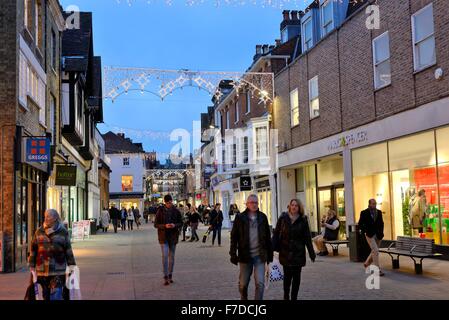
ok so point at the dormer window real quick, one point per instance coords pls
(327, 17)
(284, 35)
(307, 34)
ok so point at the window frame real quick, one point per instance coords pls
(304, 42)
(248, 102)
(327, 3)
(124, 160)
(314, 98)
(376, 65)
(236, 110)
(228, 120)
(294, 121)
(416, 56)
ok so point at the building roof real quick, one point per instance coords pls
(77, 44)
(117, 143)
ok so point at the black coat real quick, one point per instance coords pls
(291, 240)
(216, 218)
(163, 217)
(114, 213)
(240, 238)
(370, 227)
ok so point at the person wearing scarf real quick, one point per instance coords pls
(51, 254)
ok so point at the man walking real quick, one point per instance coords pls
(123, 216)
(251, 247)
(115, 216)
(216, 221)
(372, 226)
(168, 223)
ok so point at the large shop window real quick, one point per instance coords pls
(407, 170)
(370, 172)
(127, 183)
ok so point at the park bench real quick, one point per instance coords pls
(334, 244)
(415, 248)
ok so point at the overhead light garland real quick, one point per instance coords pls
(162, 83)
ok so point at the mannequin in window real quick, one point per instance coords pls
(418, 205)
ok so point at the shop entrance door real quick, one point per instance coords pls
(333, 197)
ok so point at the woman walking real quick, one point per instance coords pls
(105, 218)
(130, 219)
(51, 253)
(290, 239)
(194, 221)
(124, 215)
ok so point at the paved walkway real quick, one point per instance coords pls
(127, 265)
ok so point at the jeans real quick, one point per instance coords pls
(292, 274)
(130, 224)
(194, 227)
(168, 258)
(123, 223)
(216, 230)
(246, 270)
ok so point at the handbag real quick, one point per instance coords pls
(274, 271)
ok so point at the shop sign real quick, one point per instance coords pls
(38, 150)
(65, 175)
(245, 184)
(262, 184)
(235, 185)
(80, 229)
(348, 140)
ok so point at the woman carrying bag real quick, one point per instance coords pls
(290, 239)
(51, 256)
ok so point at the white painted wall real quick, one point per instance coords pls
(136, 169)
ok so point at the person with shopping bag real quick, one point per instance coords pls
(51, 258)
(290, 239)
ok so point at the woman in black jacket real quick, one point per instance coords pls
(290, 239)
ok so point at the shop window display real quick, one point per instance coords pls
(442, 137)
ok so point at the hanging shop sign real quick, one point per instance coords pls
(245, 184)
(65, 175)
(262, 184)
(38, 150)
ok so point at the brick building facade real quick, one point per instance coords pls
(324, 160)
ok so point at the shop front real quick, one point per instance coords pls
(263, 191)
(409, 178)
(121, 200)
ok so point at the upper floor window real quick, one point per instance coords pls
(261, 142)
(244, 149)
(26, 13)
(314, 98)
(126, 161)
(381, 57)
(307, 35)
(423, 38)
(327, 17)
(53, 49)
(38, 24)
(228, 122)
(294, 107)
(236, 109)
(284, 35)
(127, 183)
(248, 102)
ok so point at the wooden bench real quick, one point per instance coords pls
(415, 248)
(334, 244)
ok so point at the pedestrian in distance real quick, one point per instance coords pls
(123, 216)
(291, 237)
(50, 254)
(105, 218)
(145, 215)
(168, 223)
(136, 214)
(371, 225)
(185, 220)
(194, 219)
(130, 218)
(251, 247)
(114, 214)
(216, 222)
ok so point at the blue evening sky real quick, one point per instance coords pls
(202, 37)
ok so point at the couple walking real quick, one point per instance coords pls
(252, 247)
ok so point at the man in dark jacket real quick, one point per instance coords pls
(114, 213)
(251, 247)
(216, 222)
(168, 223)
(372, 226)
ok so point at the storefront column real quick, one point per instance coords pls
(287, 184)
(349, 190)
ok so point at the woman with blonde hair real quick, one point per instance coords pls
(290, 239)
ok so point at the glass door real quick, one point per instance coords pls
(333, 198)
(324, 204)
(340, 209)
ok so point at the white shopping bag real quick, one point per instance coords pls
(274, 271)
(73, 284)
(188, 232)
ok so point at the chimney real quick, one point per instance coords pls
(271, 48)
(294, 15)
(286, 15)
(278, 42)
(301, 14)
(121, 135)
(265, 48)
(258, 49)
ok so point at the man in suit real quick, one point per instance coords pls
(372, 226)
